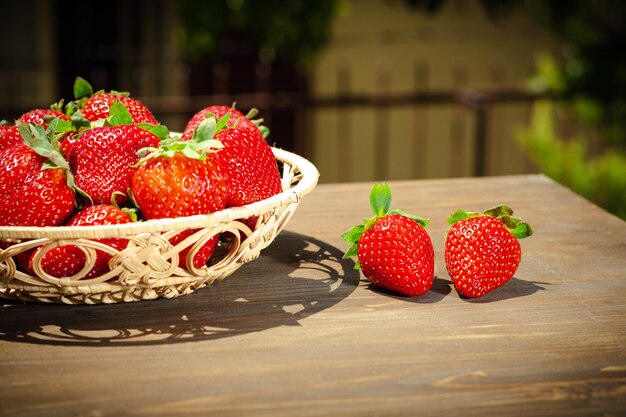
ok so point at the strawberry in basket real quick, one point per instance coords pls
(236, 119)
(36, 186)
(104, 159)
(96, 106)
(247, 160)
(9, 136)
(38, 116)
(182, 178)
(67, 260)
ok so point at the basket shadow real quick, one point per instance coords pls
(295, 277)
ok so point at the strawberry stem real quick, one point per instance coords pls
(502, 213)
(201, 143)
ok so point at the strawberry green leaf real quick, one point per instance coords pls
(71, 108)
(205, 130)
(264, 131)
(119, 114)
(252, 113)
(222, 123)
(160, 131)
(419, 220)
(120, 93)
(353, 235)
(352, 251)
(57, 106)
(192, 153)
(460, 215)
(257, 122)
(380, 199)
(369, 222)
(61, 126)
(79, 122)
(131, 212)
(82, 88)
(522, 231)
(516, 226)
(499, 211)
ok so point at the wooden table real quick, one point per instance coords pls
(299, 332)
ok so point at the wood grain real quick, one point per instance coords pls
(298, 332)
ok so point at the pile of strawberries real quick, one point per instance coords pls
(104, 159)
(394, 251)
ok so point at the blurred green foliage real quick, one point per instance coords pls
(600, 178)
(293, 30)
(589, 77)
(590, 72)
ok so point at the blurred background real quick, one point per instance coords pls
(367, 90)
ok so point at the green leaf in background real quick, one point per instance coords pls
(599, 177)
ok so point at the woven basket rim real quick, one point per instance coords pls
(309, 178)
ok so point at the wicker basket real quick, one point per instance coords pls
(149, 267)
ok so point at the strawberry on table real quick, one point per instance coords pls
(182, 178)
(394, 250)
(482, 251)
(36, 186)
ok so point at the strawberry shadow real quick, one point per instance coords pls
(514, 288)
(301, 277)
(438, 291)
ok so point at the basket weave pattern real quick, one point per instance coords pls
(150, 267)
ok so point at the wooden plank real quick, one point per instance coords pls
(298, 332)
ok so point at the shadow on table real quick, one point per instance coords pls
(300, 276)
(441, 288)
(437, 292)
(513, 289)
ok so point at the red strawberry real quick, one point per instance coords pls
(96, 106)
(250, 166)
(181, 179)
(9, 136)
(62, 261)
(35, 183)
(247, 160)
(37, 116)
(482, 251)
(65, 261)
(103, 160)
(237, 119)
(394, 250)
